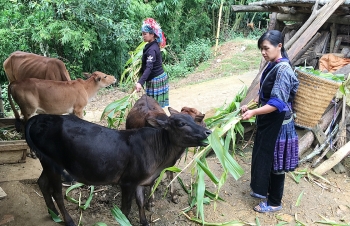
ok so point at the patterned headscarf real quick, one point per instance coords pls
(151, 26)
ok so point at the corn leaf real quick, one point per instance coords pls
(77, 185)
(54, 217)
(228, 139)
(221, 182)
(257, 221)
(87, 203)
(212, 195)
(100, 224)
(207, 171)
(281, 223)
(233, 135)
(183, 185)
(239, 128)
(200, 192)
(230, 123)
(120, 217)
(214, 142)
(233, 167)
(230, 223)
(299, 199)
(172, 168)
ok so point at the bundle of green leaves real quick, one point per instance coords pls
(326, 75)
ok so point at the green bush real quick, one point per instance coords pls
(177, 70)
(196, 52)
(5, 102)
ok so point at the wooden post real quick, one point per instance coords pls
(2, 113)
(333, 37)
(218, 30)
(273, 21)
(337, 44)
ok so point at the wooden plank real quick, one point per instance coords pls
(306, 47)
(279, 9)
(7, 122)
(294, 2)
(13, 145)
(303, 17)
(14, 151)
(325, 12)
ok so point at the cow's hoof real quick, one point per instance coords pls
(32, 155)
(145, 224)
(150, 206)
(175, 199)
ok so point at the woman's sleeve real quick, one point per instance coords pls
(282, 87)
(150, 59)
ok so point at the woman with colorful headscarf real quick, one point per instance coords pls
(152, 67)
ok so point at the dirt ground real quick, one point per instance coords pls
(24, 205)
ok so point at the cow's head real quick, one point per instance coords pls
(182, 129)
(195, 114)
(102, 79)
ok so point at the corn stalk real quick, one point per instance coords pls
(115, 113)
(225, 124)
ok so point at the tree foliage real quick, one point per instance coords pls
(97, 35)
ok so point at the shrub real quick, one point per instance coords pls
(177, 70)
(5, 102)
(196, 52)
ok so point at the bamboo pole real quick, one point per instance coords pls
(218, 30)
(333, 160)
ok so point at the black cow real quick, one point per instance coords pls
(146, 107)
(96, 155)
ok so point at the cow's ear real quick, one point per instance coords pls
(158, 122)
(172, 111)
(86, 74)
(199, 118)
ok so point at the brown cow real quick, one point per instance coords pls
(55, 97)
(21, 65)
(146, 107)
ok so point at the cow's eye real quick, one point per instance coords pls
(181, 124)
(105, 76)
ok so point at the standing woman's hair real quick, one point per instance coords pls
(274, 37)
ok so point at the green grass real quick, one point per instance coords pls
(203, 66)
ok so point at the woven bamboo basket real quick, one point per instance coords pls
(312, 98)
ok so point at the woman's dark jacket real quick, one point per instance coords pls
(151, 62)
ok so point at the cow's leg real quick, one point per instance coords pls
(46, 190)
(150, 203)
(57, 194)
(127, 195)
(140, 200)
(51, 184)
(174, 196)
(79, 112)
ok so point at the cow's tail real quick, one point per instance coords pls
(41, 155)
(18, 124)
